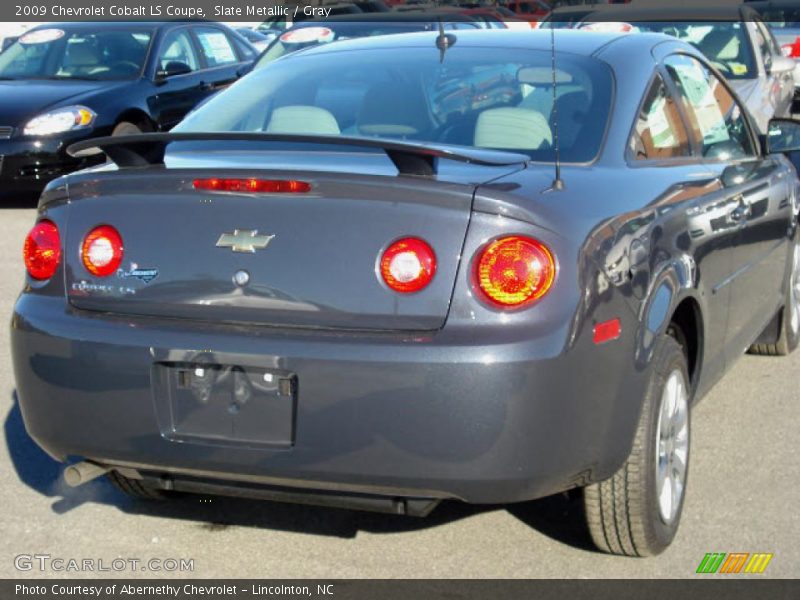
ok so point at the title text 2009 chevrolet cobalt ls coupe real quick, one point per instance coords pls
(354, 278)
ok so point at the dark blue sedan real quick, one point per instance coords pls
(65, 82)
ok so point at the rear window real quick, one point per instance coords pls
(316, 33)
(480, 97)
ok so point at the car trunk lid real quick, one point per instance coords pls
(187, 252)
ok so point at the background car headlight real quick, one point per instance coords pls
(60, 120)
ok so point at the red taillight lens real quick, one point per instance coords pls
(515, 270)
(408, 265)
(102, 251)
(42, 250)
(262, 186)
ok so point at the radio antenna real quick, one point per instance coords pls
(444, 41)
(558, 184)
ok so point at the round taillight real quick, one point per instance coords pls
(408, 265)
(42, 250)
(515, 270)
(102, 251)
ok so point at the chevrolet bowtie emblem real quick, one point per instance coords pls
(244, 240)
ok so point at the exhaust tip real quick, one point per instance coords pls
(83, 472)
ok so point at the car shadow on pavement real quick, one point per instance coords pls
(558, 517)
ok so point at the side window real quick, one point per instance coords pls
(216, 47)
(717, 122)
(659, 132)
(177, 47)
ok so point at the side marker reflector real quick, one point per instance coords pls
(607, 331)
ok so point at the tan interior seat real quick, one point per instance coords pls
(512, 128)
(299, 119)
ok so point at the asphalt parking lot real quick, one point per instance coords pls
(742, 497)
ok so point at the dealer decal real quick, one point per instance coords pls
(146, 275)
(41, 36)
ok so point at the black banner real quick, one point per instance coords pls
(259, 10)
(730, 589)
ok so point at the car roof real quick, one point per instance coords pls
(632, 13)
(79, 25)
(389, 17)
(573, 42)
(756, 4)
(763, 5)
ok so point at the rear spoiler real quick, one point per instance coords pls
(148, 149)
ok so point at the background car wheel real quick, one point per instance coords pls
(790, 314)
(637, 511)
(135, 488)
(125, 128)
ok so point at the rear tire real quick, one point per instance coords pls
(135, 488)
(789, 316)
(638, 510)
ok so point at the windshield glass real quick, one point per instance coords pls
(726, 45)
(488, 98)
(313, 34)
(568, 20)
(783, 17)
(76, 54)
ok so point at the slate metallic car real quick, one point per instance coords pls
(734, 38)
(360, 277)
(65, 82)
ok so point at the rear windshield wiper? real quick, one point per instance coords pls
(148, 149)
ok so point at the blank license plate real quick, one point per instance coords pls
(226, 403)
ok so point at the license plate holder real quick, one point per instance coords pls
(226, 404)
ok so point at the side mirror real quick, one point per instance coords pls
(171, 69)
(781, 64)
(783, 136)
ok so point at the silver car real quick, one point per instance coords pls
(735, 39)
(783, 18)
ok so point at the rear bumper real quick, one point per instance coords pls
(426, 416)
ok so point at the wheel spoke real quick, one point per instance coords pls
(672, 445)
(679, 463)
(665, 497)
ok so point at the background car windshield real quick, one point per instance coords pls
(726, 45)
(783, 17)
(76, 54)
(316, 33)
(488, 98)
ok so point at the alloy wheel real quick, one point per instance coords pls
(673, 446)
